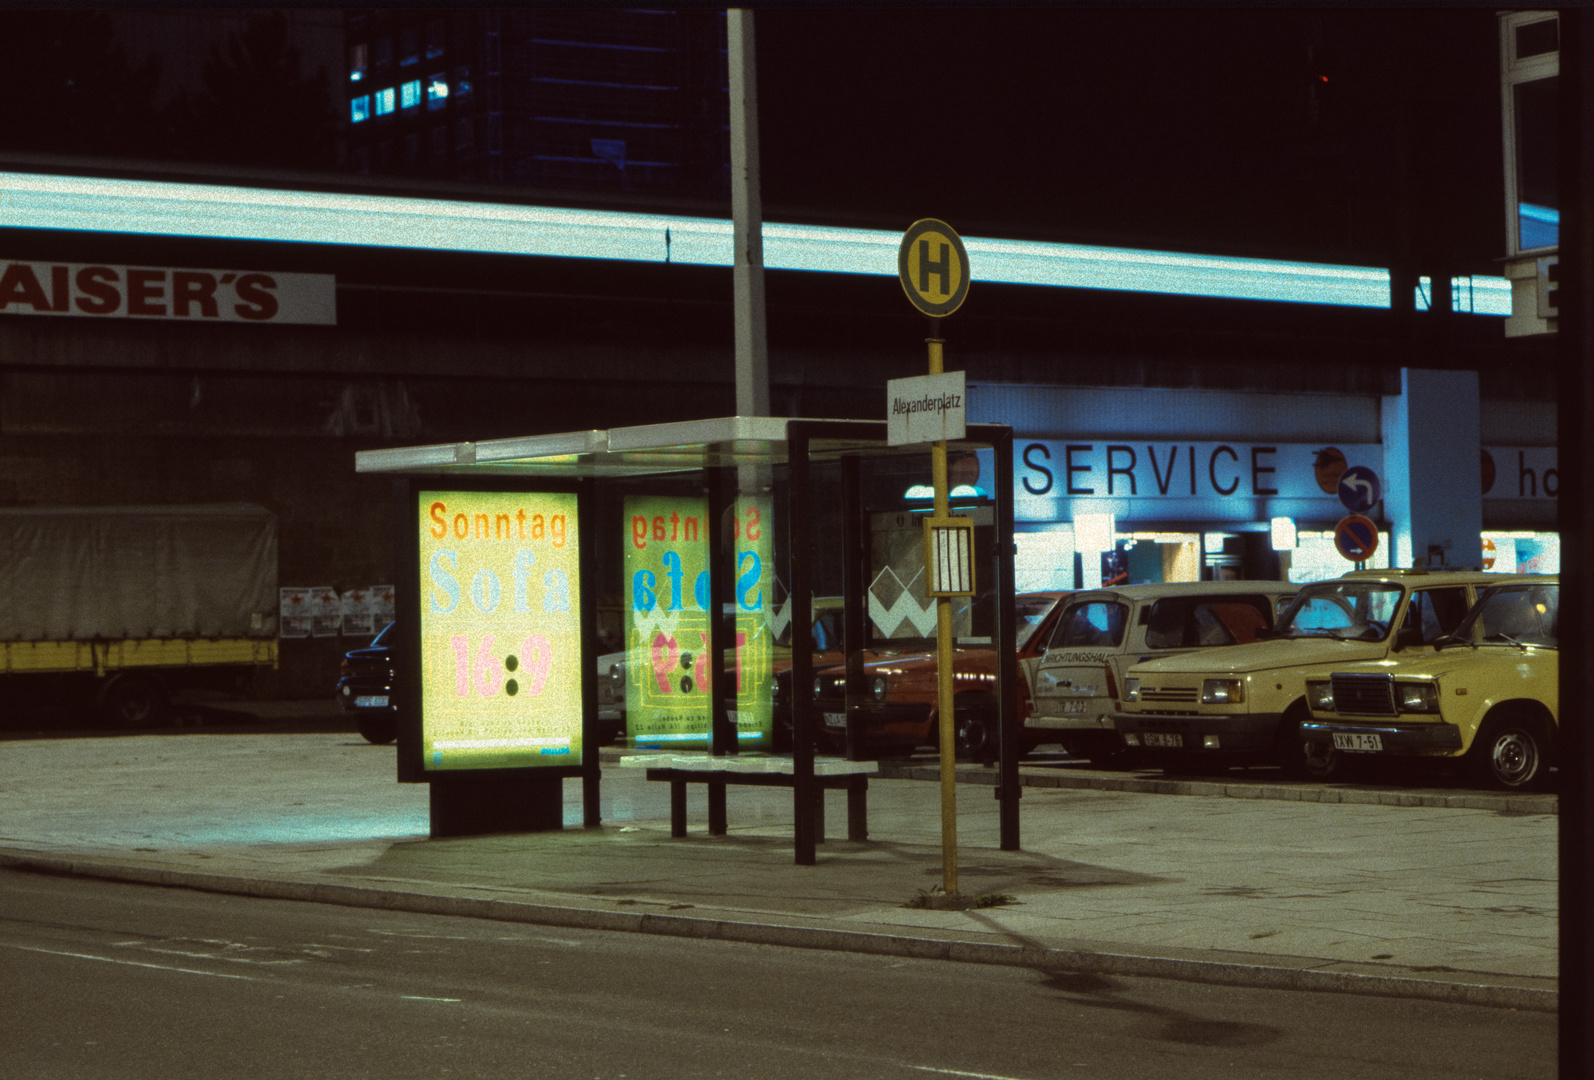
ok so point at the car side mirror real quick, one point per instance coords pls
(1408, 636)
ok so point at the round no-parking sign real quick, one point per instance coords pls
(1356, 537)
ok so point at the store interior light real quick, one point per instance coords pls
(1094, 532)
(1283, 533)
(962, 491)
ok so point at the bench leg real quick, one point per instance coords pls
(677, 808)
(716, 808)
(858, 809)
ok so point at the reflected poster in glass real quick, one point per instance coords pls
(668, 674)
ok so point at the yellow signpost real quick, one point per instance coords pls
(934, 269)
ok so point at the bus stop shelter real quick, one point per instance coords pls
(499, 548)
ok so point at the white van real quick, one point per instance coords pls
(1076, 683)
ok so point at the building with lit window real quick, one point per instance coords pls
(596, 99)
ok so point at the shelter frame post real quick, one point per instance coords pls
(800, 552)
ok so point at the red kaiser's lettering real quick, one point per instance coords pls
(98, 286)
(259, 303)
(18, 285)
(154, 292)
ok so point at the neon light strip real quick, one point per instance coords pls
(643, 741)
(493, 744)
(29, 201)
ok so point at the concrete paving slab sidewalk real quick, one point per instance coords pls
(1446, 902)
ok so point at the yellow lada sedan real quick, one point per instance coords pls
(1488, 695)
(1245, 704)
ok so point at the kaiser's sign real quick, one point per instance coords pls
(152, 292)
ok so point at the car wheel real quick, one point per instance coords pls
(1321, 760)
(1289, 749)
(1512, 752)
(975, 732)
(135, 701)
(379, 728)
(1179, 764)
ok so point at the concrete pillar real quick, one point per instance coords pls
(1433, 488)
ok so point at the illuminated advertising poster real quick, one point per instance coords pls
(667, 625)
(501, 671)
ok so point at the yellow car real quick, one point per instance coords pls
(1244, 704)
(1488, 695)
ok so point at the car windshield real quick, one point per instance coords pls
(1188, 622)
(1094, 623)
(1515, 615)
(1032, 611)
(1346, 610)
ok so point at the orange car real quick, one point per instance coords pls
(901, 706)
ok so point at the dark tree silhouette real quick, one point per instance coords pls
(70, 89)
(257, 106)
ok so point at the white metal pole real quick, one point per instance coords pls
(747, 220)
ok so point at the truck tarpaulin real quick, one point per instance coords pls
(95, 573)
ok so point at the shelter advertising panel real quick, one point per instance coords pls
(668, 674)
(500, 615)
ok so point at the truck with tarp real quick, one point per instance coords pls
(120, 608)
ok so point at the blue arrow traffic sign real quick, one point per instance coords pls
(1359, 489)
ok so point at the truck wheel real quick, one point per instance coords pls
(134, 701)
(379, 728)
(1512, 752)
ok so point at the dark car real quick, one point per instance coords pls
(365, 687)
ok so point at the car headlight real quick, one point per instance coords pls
(1222, 692)
(880, 685)
(617, 674)
(1417, 697)
(1320, 696)
(1131, 689)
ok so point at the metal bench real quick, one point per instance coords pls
(830, 774)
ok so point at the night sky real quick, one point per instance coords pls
(1193, 129)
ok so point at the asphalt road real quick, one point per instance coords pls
(107, 980)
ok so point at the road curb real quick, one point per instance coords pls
(1231, 789)
(1469, 988)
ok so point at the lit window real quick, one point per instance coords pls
(384, 101)
(360, 109)
(356, 62)
(462, 83)
(436, 91)
(410, 94)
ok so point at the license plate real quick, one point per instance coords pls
(1357, 743)
(1156, 738)
(1075, 708)
(835, 719)
(371, 701)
